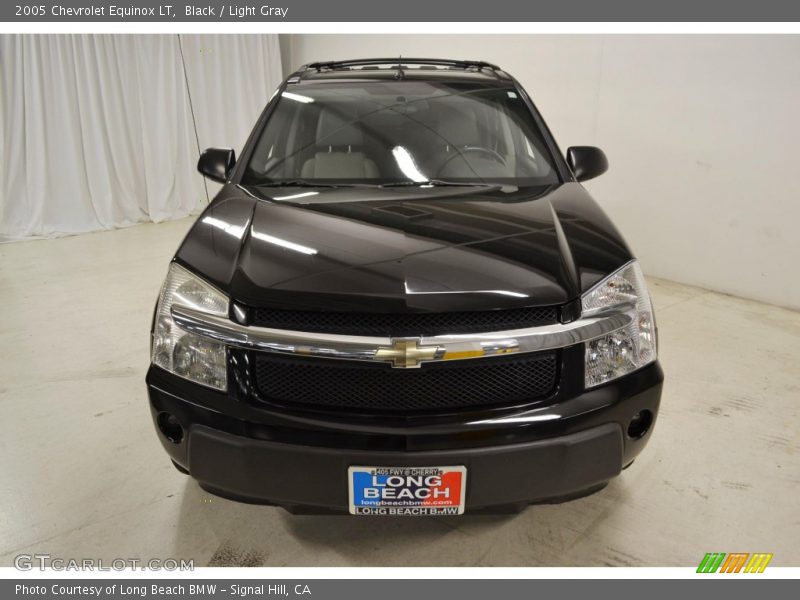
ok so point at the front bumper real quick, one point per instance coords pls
(299, 461)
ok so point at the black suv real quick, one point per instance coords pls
(403, 302)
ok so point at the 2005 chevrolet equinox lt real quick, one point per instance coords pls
(403, 302)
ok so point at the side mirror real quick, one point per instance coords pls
(217, 163)
(586, 162)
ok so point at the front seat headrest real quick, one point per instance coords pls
(459, 128)
(336, 128)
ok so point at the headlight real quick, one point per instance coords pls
(188, 355)
(627, 349)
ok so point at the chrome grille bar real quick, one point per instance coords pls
(406, 352)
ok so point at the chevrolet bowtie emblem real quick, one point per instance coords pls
(406, 354)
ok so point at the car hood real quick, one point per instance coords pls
(395, 250)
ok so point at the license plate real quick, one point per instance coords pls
(408, 491)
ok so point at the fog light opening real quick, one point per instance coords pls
(640, 424)
(169, 426)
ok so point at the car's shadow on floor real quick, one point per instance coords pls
(330, 530)
(219, 532)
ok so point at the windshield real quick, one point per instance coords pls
(400, 132)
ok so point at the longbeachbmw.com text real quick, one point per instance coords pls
(205, 11)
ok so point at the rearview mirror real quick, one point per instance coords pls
(586, 162)
(217, 163)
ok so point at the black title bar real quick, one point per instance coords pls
(405, 11)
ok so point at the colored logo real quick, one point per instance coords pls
(736, 562)
(412, 491)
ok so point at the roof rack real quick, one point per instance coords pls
(438, 62)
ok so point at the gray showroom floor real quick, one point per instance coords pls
(82, 474)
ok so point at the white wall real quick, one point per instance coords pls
(702, 133)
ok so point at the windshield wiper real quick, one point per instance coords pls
(437, 183)
(429, 183)
(304, 183)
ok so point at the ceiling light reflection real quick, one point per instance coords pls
(234, 230)
(297, 97)
(500, 292)
(528, 419)
(271, 239)
(407, 165)
(295, 196)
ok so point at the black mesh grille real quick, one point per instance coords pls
(404, 324)
(366, 387)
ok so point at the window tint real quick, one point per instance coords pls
(386, 132)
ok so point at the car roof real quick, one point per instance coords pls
(377, 69)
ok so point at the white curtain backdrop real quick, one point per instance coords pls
(96, 132)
